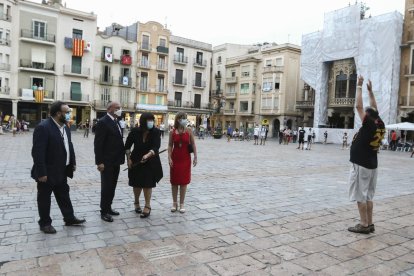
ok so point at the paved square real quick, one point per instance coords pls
(251, 210)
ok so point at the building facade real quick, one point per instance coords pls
(7, 95)
(152, 70)
(53, 59)
(189, 83)
(116, 73)
(406, 96)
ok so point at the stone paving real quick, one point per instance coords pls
(251, 210)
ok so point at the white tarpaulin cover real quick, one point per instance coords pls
(374, 43)
(401, 126)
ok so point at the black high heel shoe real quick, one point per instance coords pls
(145, 215)
(138, 210)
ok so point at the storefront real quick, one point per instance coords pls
(5, 107)
(159, 111)
(31, 112)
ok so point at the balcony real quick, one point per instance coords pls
(101, 104)
(199, 84)
(144, 64)
(48, 94)
(229, 112)
(5, 66)
(106, 80)
(200, 63)
(273, 69)
(217, 93)
(231, 80)
(30, 36)
(342, 102)
(305, 104)
(245, 113)
(179, 59)
(28, 65)
(217, 76)
(162, 67)
(231, 95)
(162, 50)
(145, 47)
(406, 101)
(125, 81)
(179, 82)
(161, 89)
(4, 91)
(4, 41)
(76, 71)
(143, 88)
(5, 17)
(69, 96)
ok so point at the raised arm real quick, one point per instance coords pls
(359, 103)
(372, 101)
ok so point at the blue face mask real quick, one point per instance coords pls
(67, 117)
(150, 124)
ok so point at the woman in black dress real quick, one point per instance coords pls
(144, 163)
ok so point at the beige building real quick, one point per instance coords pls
(152, 72)
(406, 95)
(260, 86)
(189, 82)
(115, 70)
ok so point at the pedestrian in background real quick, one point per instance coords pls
(53, 162)
(122, 124)
(180, 146)
(302, 133)
(144, 163)
(325, 137)
(229, 133)
(87, 126)
(109, 155)
(263, 135)
(309, 144)
(345, 141)
(162, 129)
(256, 133)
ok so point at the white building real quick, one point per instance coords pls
(189, 69)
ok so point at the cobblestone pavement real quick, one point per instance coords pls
(251, 210)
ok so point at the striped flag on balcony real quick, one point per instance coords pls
(39, 95)
(78, 47)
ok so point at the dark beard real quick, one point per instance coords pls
(62, 119)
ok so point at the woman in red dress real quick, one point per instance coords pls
(180, 146)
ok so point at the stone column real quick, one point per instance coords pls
(306, 95)
(14, 107)
(347, 86)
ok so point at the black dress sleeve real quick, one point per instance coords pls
(155, 140)
(130, 139)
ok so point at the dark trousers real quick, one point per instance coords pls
(109, 179)
(61, 192)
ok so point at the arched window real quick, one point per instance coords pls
(352, 84)
(340, 87)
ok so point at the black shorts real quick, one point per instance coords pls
(256, 136)
(301, 140)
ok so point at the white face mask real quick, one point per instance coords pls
(118, 113)
(183, 122)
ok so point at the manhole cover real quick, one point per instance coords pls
(162, 252)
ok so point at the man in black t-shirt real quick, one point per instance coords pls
(364, 149)
(301, 137)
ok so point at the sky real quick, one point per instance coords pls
(228, 21)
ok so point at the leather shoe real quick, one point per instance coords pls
(107, 217)
(113, 213)
(48, 229)
(74, 221)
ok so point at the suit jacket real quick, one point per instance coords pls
(49, 153)
(108, 144)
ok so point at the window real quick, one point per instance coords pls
(244, 106)
(77, 65)
(126, 52)
(199, 58)
(269, 62)
(232, 88)
(352, 84)
(245, 71)
(198, 77)
(340, 86)
(143, 99)
(231, 105)
(180, 54)
(233, 74)
(159, 100)
(254, 88)
(279, 62)
(219, 60)
(39, 29)
(177, 99)
(244, 88)
(7, 61)
(144, 60)
(161, 83)
(124, 96)
(106, 73)
(412, 61)
(106, 95)
(267, 84)
(266, 103)
(125, 72)
(37, 82)
(179, 76)
(218, 85)
(197, 101)
(163, 42)
(75, 91)
(77, 34)
(144, 81)
(161, 62)
(145, 42)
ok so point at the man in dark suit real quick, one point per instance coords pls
(54, 161)
(109, 155)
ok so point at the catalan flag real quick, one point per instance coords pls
(78, 47)
(39, 95)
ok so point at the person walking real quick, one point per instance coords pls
(345, 141)
(162, 130)
(301, 137)
(325, 137)
(256, 133)
(309, 144)
(394, 138)
(281, 136)
(144, 163)
(109, 155)
(122, 124)
(263, 135)
(363, 156)
(229, 133)
(181, 144)
(87, 126)
(53, 162)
